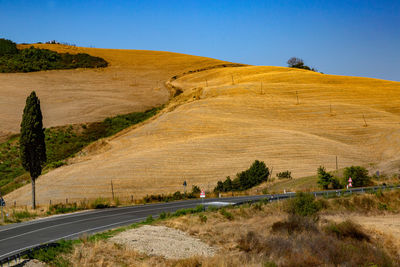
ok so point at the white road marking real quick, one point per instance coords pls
(63, 237)
(71, 215)
(88, 219)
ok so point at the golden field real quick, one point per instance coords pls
(134, 81)
(225, 119)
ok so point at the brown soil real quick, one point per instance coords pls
(163, 241)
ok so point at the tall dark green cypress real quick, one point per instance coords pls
(32, 144)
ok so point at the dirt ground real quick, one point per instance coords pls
(163, 241)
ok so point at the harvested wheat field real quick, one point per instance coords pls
(134, 81)
(226, 118)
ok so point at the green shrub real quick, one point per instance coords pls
(358, 174)
(270, 264)
(163, 215)
(336, 183)
(284, 175)
(255, 175)
(303, 205)
(226, 214)
(324, 178)
(149, 219)
(182, 212)
(203, 218)
(56, 164)
(64, 208)
(100, 203)
(51, 255)
(20, 215)
(196, 189)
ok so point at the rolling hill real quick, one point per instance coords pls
(226, 118)
(134, 81)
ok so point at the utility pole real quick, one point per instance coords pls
(336, 166)
(365, 122)
(2, 203)
(112, 189)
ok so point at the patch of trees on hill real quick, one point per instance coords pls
(358, 174)
(255, 175)
(35, 59)
(295, 62)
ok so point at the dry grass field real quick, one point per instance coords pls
(250, 235)
(224, 120)
(134, 81)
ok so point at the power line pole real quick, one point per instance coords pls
(336, 166)
(112, 189)
(365, 122)
(2, 203)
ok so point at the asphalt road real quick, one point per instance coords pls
(15, 238)
(18, 237)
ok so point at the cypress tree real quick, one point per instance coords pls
(32, 144)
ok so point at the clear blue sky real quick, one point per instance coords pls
(359, 38)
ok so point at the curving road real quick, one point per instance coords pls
(16, 238)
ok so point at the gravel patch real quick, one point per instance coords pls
(163, 241)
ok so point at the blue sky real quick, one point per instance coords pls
(358, 38)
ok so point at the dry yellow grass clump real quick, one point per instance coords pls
(226, 118)
(134, 81)
(259, 234)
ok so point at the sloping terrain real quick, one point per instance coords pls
(226, 118)
(134, 81)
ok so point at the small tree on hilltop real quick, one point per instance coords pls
(295, 62)
(32, 144)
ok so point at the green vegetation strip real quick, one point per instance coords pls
(62, 143)
(35, 59)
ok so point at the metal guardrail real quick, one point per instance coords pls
(337, 192)
(276, 197)
(17, 257)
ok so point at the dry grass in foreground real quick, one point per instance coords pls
(265, 235)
